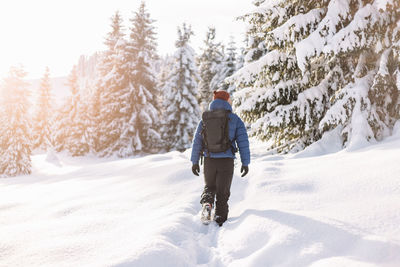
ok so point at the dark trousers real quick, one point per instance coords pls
(218, 174)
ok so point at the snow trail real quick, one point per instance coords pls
(338, 209)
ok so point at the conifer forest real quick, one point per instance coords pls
(304, 69)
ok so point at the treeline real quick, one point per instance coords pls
(139, 103)
(309, 68)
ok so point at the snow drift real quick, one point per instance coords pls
(310, 209)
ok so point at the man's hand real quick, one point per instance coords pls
(244, 170)
(196, 169)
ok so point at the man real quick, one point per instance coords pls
(218, 166)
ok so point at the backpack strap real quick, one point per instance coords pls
(234, 150)
(203, 143)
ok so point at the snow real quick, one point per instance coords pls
(249, 71)
(297, 23)
(348, 38)
(51, 157)
(306, 209)
(358, 129)
(314, 43)
(330, 142)
(383, 64)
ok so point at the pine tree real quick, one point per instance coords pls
(396, 71)
(166, 64)
(240, 58)
(141, 128)
(113, 89)
(384, 110)
(306, 69)
(257, 30)
(77, 143)
(369, 98)
(60, 126)
(42, 122)
(71, 122)
(209, 64)
(93, 120)
(15, 135)
(228, 68)
(180, 90)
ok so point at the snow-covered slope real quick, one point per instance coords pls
(338, 209)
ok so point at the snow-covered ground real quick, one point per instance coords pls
(338, 209)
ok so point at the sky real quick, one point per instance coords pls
(53, 33)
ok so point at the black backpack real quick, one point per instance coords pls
(215, 131)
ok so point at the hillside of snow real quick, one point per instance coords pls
(306, 209)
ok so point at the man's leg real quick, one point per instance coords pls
(210, 175)
(223, 184)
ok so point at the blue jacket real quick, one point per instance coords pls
(237, 134)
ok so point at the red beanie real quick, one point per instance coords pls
(220, 94)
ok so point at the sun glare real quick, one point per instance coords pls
(56, 33)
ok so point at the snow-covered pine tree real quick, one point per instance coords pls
(228, 68)
(113, 89)
(93, 114)
(240, 58)
(15, 131)
(60, 126)
(256, 33)
(209, 64)
(220, 69)
(166, 64)
(71, 122)
(87, 78)
(144, 122)
(299, 55)
(77, 141)
(384, 109)
(369, 97)
(275, 97)
(42, 121)
(181, 107)
(396, 55)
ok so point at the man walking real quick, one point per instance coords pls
(219, 135)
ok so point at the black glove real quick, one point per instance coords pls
(196, 169)
(244, 170)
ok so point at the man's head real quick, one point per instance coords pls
(222, 94)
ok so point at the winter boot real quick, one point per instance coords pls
(206, 213)
(220, 220)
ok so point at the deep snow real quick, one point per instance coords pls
(306, 209)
